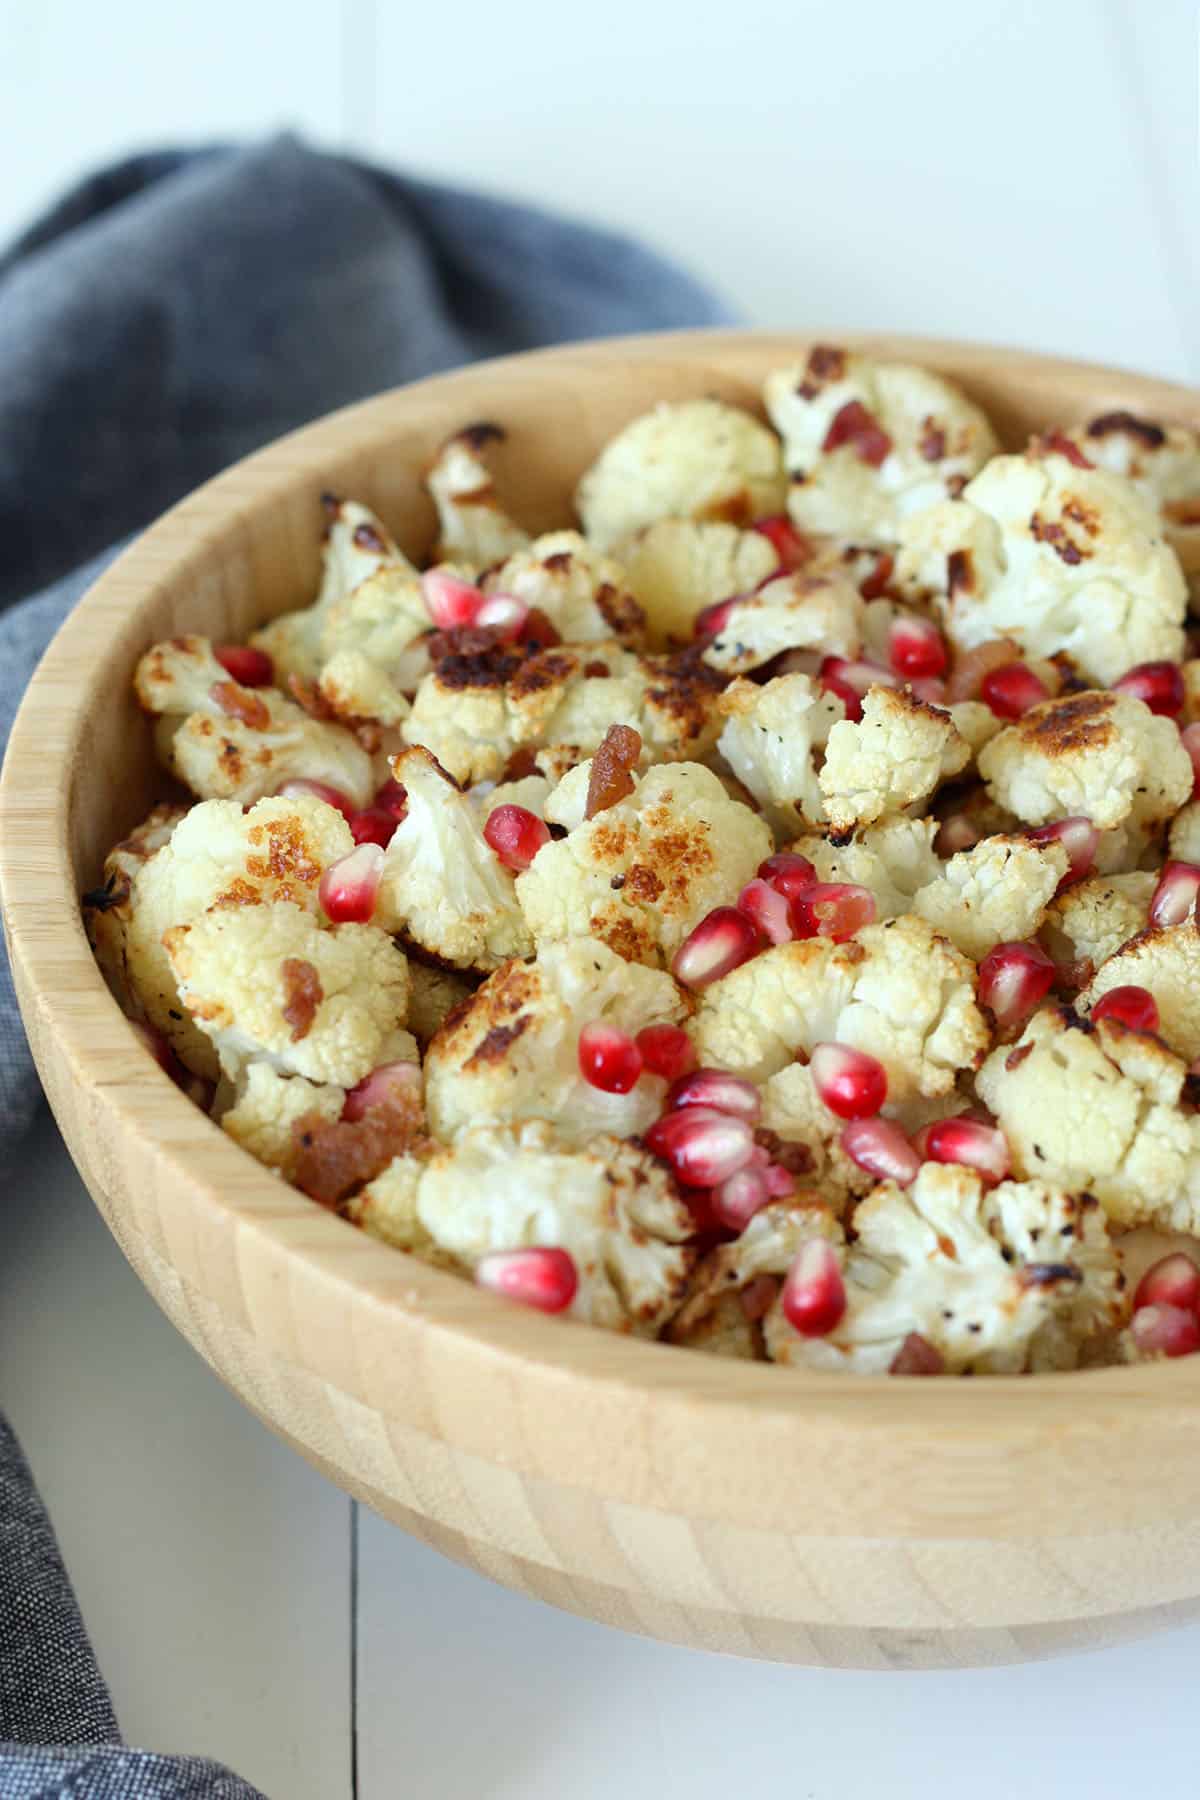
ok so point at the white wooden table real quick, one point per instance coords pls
(240, 1609)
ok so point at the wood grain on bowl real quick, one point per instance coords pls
(734, 1506)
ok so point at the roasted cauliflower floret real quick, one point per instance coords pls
(473, 527)
(802, 611)
(1165, 960)
(677, 567)
(1092, 1107)
(894, 859)
(442, 886)
(1183, 839)
(228, 742)
(608, 1203)
(997, 1281)
(512, 1052)
(433, 994)
(898, 990)
(357, 690)
(867, 443)
(1090, 921)
(733, 1286)
(269, 1105)
(996, 893)
(267, 983)
(696, 459)
(582, 592)
(1055, 557)
(896, 754)
(107, 908)
(642, 873)
(1103, 755)
(769, 740)
(1161, 460)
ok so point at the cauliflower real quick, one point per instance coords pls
(267, 983)
(697, 459)
(993, 894)
(897, 990)
(1161, 460)
(1091, 920)
(802, 611)
(432, 995)
(473, 527)
(582, 592)
(677, 567)
(1102, 755)
(228, 742)
(976, 723)
(442, 885)
(1165, 960)
(268, 1105)
(713, 1317)
(512, 1052)
(896, 754)
(1092, 1107)
(529, 791)
(355, 690)
(1055, 557)
(107, 909)
(1183, 839)
(219, 856)
(997, 1281)
(642, 873)
(770, 736)
(894, 859)
(609, 1204)
(868, 443)
(793, 1112)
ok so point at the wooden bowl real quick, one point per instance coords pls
(806, 1518)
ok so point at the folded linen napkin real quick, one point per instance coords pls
(171, 314)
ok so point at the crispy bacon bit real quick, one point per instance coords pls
(335, 1156)
(932, 443)
(610, 779)
(854, 425)
(960, 572)
(1057, 443)
(239, 703)
(303, 994)
(1152, 435)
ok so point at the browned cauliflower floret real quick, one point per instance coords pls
(642, 873)
(269, 1105)
(802, 611)
(582, 592)
(1160, 459)
(608, 1203)
(1165, 960)
(107, 908)
(993, 894)
(696, 459)
(677, 567)
(733, 1287)
(473, 527)
(771, 740)
(1105, 756)
(1090, 921)
(1183, 839)
(894, 858)
(896, 754)
(433, 994)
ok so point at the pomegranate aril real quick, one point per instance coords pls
(721, 942)
(849, 1082)
(723, 1093)
(917, 1356)
(702, 1146)
(711, 620)
(1189, 737)
(393, 799)
(1078, 837)
(916, 648)
(1013, 980)
(875, 584)
(955, 833)
(390, 1081)
(1162, 1330)
(832, 909)
(969, 1143)
(841, 690)
(1175, 896)
(608, 1059)
(249, 667)
(1012, 689)
(882, 1149)
(1172, 1281)
(373, 826)
(860, 675)
(780, 1181)
(319, 790)
(972, 666)
(516, 835)
(541, 1278)
(768, 909)
(1159, 685)
(814, 1294)
(503, 613)
(931, 689)
(666, 1051)
(739, 1197)
(788, 873)
(450, 601)
(791, 546)
(853, 425)
(350, 886)
(1134, 1007)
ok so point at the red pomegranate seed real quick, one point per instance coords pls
(721, 942)
(1172, 1281)
(967, 1141)
(1165, 1331)
(666, 1051)
(450, 600)
(875, 585)
(814, 1294)
(1012, 689)
(955, 833)
(758, 1297)
(249, 667)
(788, 873)
(780, 1181)
(373, 826)
(503, 613)
(841, 690)
(791, 546)
(849, 1082)
(711, 620)
(1059, 444)
(1175, 896)
(1014, 979)
(542, 1278)
(1189, 737)
(739, 1197)
(916, 648)
(859, 675)
(1078, 837)
(972, 666)
(882, 1149)
(917, 1356)
(387, 1082)
(393, 799)
(852, 424)
(931, 689)
(1159, 685)
(769, 910)
(516, 835)
(833, 909)
(702, 1146)
(349, 887)
(320, 790)
(1133, 1006)
(608, 1059)
(721, 1092)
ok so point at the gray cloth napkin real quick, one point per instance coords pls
(170, 315)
